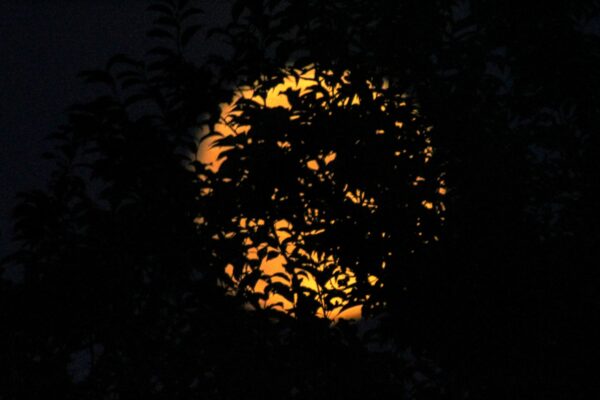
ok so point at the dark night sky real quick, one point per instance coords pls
(43, 45)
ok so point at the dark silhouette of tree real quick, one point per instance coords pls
(509, 90)
(120, 297)
(327, 185)
(123, 254)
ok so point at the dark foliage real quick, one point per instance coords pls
(123, 293)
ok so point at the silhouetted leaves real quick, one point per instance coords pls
(188, 33)
(191, 11)
(160, 33)
(122, 292)
(97, 76)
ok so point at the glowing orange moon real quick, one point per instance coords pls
(274, 270)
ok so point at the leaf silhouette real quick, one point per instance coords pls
(430, 176)
(189, 33)
(191, 11)
(160, 33)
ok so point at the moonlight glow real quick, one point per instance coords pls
(275, 271)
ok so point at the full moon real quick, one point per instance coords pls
(273, 269)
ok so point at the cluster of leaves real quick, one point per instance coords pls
(119, 285)
(118, 298)
(347, 169)
(272, 39)
(511, 91)
(109, 253)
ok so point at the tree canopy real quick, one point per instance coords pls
(439, 171)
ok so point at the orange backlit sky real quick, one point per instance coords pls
(275, 268)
